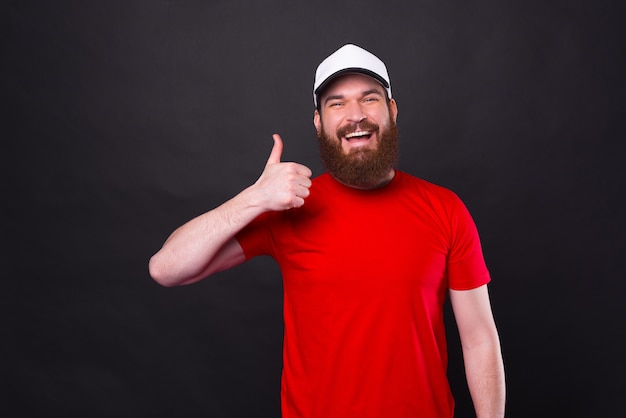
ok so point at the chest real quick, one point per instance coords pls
(367, 242)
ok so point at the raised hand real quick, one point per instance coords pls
(283, 185)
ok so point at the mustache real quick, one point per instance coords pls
(364, 125)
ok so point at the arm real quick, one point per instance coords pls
(484, 368)
(207, 244)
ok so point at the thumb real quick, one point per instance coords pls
(277, 151)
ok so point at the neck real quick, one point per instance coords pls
(382, 183)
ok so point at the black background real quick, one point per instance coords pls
(122, 120)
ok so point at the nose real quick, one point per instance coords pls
(356, 114)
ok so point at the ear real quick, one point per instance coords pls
(393, 109)
(317, 121)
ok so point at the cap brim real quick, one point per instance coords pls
(353, 70)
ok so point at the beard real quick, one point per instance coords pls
(361, 168)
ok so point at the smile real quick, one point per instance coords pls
(358, 135)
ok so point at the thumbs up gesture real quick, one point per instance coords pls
(283, 185)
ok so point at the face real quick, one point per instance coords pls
(357, 131)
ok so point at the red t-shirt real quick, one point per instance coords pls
(365, 278)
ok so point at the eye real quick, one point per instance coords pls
(371, 99)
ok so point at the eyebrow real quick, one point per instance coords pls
(363, 94)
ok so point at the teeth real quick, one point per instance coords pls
(357, 133)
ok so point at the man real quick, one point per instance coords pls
(368, 255)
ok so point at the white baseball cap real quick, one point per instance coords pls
(350, 59)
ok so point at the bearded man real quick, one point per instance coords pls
(368, 255)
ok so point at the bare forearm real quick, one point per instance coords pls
(205, 244)
(189, 251)
(485, 378)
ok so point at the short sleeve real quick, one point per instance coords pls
(255, 238)
(466, 264)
